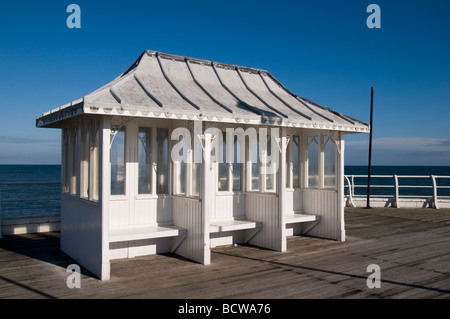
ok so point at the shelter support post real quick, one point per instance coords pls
(282, 189)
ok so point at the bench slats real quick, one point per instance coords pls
(140, 233)
(301, 218)
(232, 225)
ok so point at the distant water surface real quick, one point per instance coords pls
(34, 192)
(50, 173)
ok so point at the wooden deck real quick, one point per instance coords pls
(411, 246)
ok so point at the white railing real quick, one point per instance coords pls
(51, 197)
(396, 195)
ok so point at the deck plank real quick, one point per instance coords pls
(411, 246)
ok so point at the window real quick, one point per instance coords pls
(66, 156)
(237, 166)
(269, 167)
(255, 164)
(195, 179)
(313, 162)
(94, 164)
(118, 162)
(162, 161)
(223, 166)
(145, 161)
(180, 165)
(288, 164)
(85, 159)
(295, 161)
(73, 162)
(329, 162)
(186, 173)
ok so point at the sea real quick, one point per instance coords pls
(35, 189)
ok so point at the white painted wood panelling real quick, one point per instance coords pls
(134, 248)
(147, 211)
(187, 213)
(297, 200)
(228, 206)
(289, 201)
(324, 203)
(223, 207)
(227, 238)
(294, 197)
(239, 205)
(118, 212)
(264, 208)
(81, 232)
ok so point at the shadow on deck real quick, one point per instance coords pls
(411, 246)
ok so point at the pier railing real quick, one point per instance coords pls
(399, 190)
(388, 190)
(25, 223)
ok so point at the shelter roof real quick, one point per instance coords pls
(160, 85)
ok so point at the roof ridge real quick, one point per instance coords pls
(197, 60)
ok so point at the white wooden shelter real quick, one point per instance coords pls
(126, 195)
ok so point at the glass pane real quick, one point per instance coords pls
(66, 148)
(195, 179)
(73, 164)
(145, 161)
(182, 180)
(85, 168)
(295, 161)
(237, 167)
(95, 166)
(162, 160)
(223, 167)
(329, 165)
(270, 177)
(255, 165)
(182, 167)
(313, 165)
(118, 163)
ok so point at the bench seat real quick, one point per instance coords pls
(301, 218)
(140, 233)
(232, 225)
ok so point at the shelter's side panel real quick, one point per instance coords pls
(187, 213)
(81, 232)
(325, 204)
(264, 208)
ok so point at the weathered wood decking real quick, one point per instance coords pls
(412, 247)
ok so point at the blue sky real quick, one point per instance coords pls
(321, 50)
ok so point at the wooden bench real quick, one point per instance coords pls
(303, 218)
(141, 233)
(234, 225)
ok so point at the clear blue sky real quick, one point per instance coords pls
(321, 50)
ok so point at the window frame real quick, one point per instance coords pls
(114, 133)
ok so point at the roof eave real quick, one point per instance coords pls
(54, 117)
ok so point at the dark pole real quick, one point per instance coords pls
(370, 149)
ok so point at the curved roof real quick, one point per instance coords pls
(160, 85)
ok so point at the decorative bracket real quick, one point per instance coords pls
(278, 140)
(202, 139)
(114, 130)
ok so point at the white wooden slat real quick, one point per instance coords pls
(323, 203)
(140, 233)
(233, 225)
